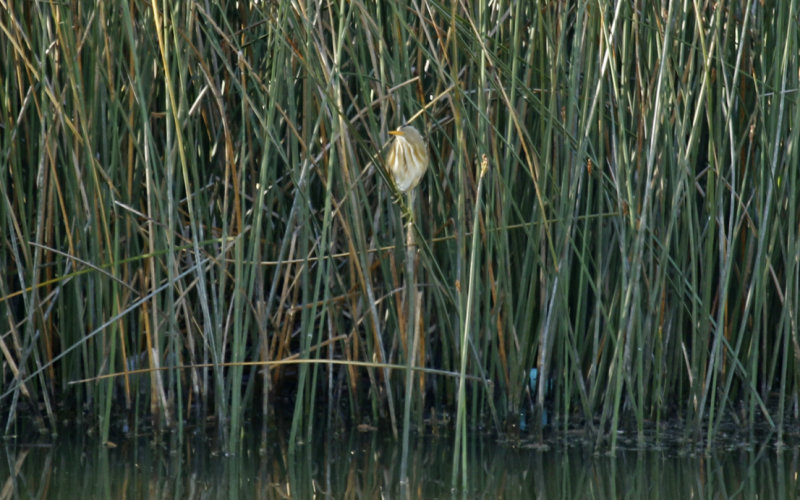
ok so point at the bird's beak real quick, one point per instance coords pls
(396, 132)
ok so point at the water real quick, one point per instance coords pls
(367, 465)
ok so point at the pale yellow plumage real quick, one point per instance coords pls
(407, 160)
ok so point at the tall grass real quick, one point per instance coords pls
(194, 201)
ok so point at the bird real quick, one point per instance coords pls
(407, 159)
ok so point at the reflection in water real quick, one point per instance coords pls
(367, 466)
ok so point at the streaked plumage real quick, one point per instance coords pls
(407, 160)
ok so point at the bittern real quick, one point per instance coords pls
(407, 160)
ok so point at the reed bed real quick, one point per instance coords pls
(196, 221)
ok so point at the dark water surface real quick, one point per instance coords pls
(367, 465)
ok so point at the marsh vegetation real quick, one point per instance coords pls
(196, 220)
